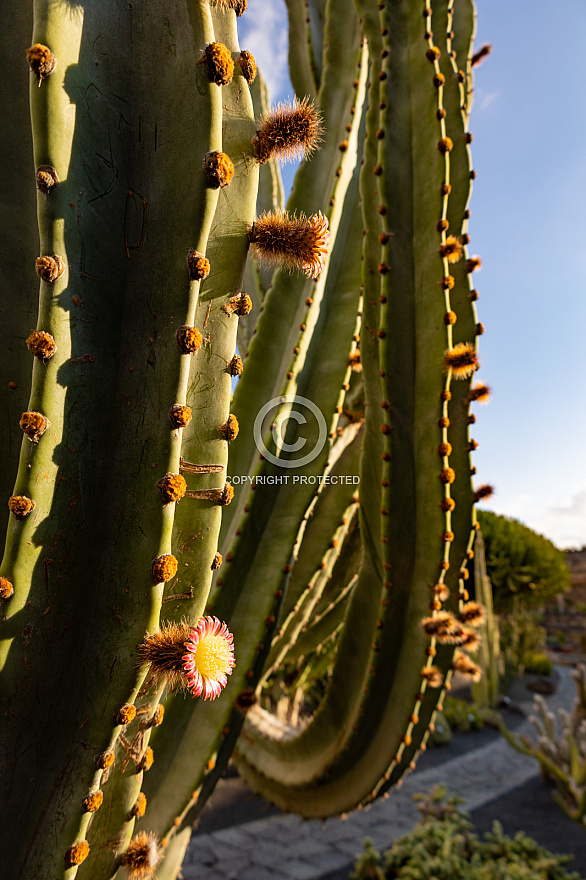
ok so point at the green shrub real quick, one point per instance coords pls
(441, 734)
(520, 563)
(461, 715)
(538, 663)
(444, 846)
(521, 636)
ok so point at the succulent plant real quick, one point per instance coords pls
(486, 691)
(561, 748)
(164, 544)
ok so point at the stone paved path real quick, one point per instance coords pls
(284, 847)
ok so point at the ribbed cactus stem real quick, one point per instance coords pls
(302, 612)
(123, 233)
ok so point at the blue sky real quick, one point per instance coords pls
(529, 227)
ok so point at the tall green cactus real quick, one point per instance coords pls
(147, 150)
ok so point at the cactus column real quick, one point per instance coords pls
(126, 146)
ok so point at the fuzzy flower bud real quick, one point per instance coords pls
(290, 131)
(295, 242)
(461, 360)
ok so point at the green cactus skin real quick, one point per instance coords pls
(210, 384)
(454, 94)
(411, 347)
(131, 203)
(284, 307)
(245, 592)
(18, 313)
(450, 97)
(371, 463)
(328, 511)
(170, 795)
(315, 12)
(304, 77)
(257, 279)
(486, 691)
(106, 391)
(206, 389)
(303, 610)
(324, 625)
(240, 600)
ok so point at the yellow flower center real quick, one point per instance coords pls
(212, 656)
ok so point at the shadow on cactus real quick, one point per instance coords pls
(147, 564)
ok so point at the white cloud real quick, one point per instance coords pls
(264, 32)
(483, 99)
(562, 519)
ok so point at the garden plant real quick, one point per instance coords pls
(444, 846)
(165, 554)
(560, 749)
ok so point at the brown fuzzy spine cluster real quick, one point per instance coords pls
(480, 393)
(239, 6)
(218, 63)
(198, 265)
(34, 425)
(93, 801)
(433, 676)
(461, 360)
(139, 808)
(229, 430)
(290, 131)
(247, 66)
(41, 345)
(451, 250)
(163, 568)
(164, 652)
(295, 242)
(126, 714)
(216, 561)
(447, 475)
(6, 588)
(241, 304)
(47, 179)
(483, 492)
(188, 339)
(105, 760)
(146, 761)
(77, 854)
(49, 268)
(473, 614)
(235, 366)
(218, 168)
(179, 415)
(20, 506)
(142, 856)
(482, 53)
(466, 667)
(354, 361)
(172, 487)
(41, 61)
